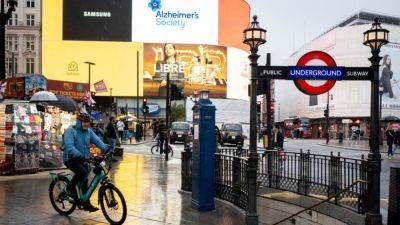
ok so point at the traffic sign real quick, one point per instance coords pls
(314, 73)
(307, 88)
(300, 73)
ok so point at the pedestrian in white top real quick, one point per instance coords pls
(120, 127)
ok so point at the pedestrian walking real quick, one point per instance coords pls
(279, 138)
(138, 131)
(111, 133)
(278, 142)
(97, 130)
(126, 130)
(340, 136)
(350, 134)
(120, 127)
(390, 138)
(397, 140)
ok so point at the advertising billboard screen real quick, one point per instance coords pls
(97, 20)
(175, 21)
(389, 79)
(191, 67)
(238, 74)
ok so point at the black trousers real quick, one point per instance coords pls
(80, 172)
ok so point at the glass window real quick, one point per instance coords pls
(180, 126)
(9, 66)
(30, 65)
(30, 3)
(12, 43)
(30, 20)
(13, 21)
(10, 21)
(233, 127)
(30, 43)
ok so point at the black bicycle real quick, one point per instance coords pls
(156, 148)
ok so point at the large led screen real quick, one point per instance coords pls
(190, 67)
(390, 79)
(175, 21)
(97, 20)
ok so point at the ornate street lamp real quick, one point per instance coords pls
(375, 38)
(254, 36)
(204, 94)
(4, 17)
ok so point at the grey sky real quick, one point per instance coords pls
(291, 23)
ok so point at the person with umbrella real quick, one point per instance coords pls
(111, 133)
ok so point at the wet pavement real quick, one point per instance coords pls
(149, 184)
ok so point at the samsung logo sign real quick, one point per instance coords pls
(96, 14)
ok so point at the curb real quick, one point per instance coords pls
(351, 148)
(38, 175)
(140, 143)
(226, 203)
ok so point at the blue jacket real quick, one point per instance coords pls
(77, 140)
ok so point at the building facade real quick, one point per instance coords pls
(135, 44)
(349, 101)
(23, 39)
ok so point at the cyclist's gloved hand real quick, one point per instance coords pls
(110, 149)
(79, 158)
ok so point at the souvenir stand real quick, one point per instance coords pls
(55, 122)
(20, 123)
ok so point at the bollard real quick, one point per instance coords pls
(394, 197)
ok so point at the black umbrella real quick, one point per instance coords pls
(65, 103)
(390, 119)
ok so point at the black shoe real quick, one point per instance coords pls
(73, 196)
(89, 207)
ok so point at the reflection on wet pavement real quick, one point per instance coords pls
(149, 184)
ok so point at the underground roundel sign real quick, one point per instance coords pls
(303, 85)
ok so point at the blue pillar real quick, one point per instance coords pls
(203, 156)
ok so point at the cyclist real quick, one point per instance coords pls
(162, 132)
(76, 140)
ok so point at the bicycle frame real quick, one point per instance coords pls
(91, 187)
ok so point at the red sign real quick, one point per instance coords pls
(100, 86)
(15, 88)
(305, 87)
(70, 89)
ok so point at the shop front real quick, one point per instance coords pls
(31, 134)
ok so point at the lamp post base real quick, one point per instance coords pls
(251, 219)
(373, 219)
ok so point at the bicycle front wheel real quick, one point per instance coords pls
(154, 149)
(113, 204)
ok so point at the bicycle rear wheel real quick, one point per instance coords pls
(59, 197)
(112, 204)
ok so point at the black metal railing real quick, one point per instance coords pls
(315, 175)
(319, 203)
(231, 178)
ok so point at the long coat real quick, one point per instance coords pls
(390, 137)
